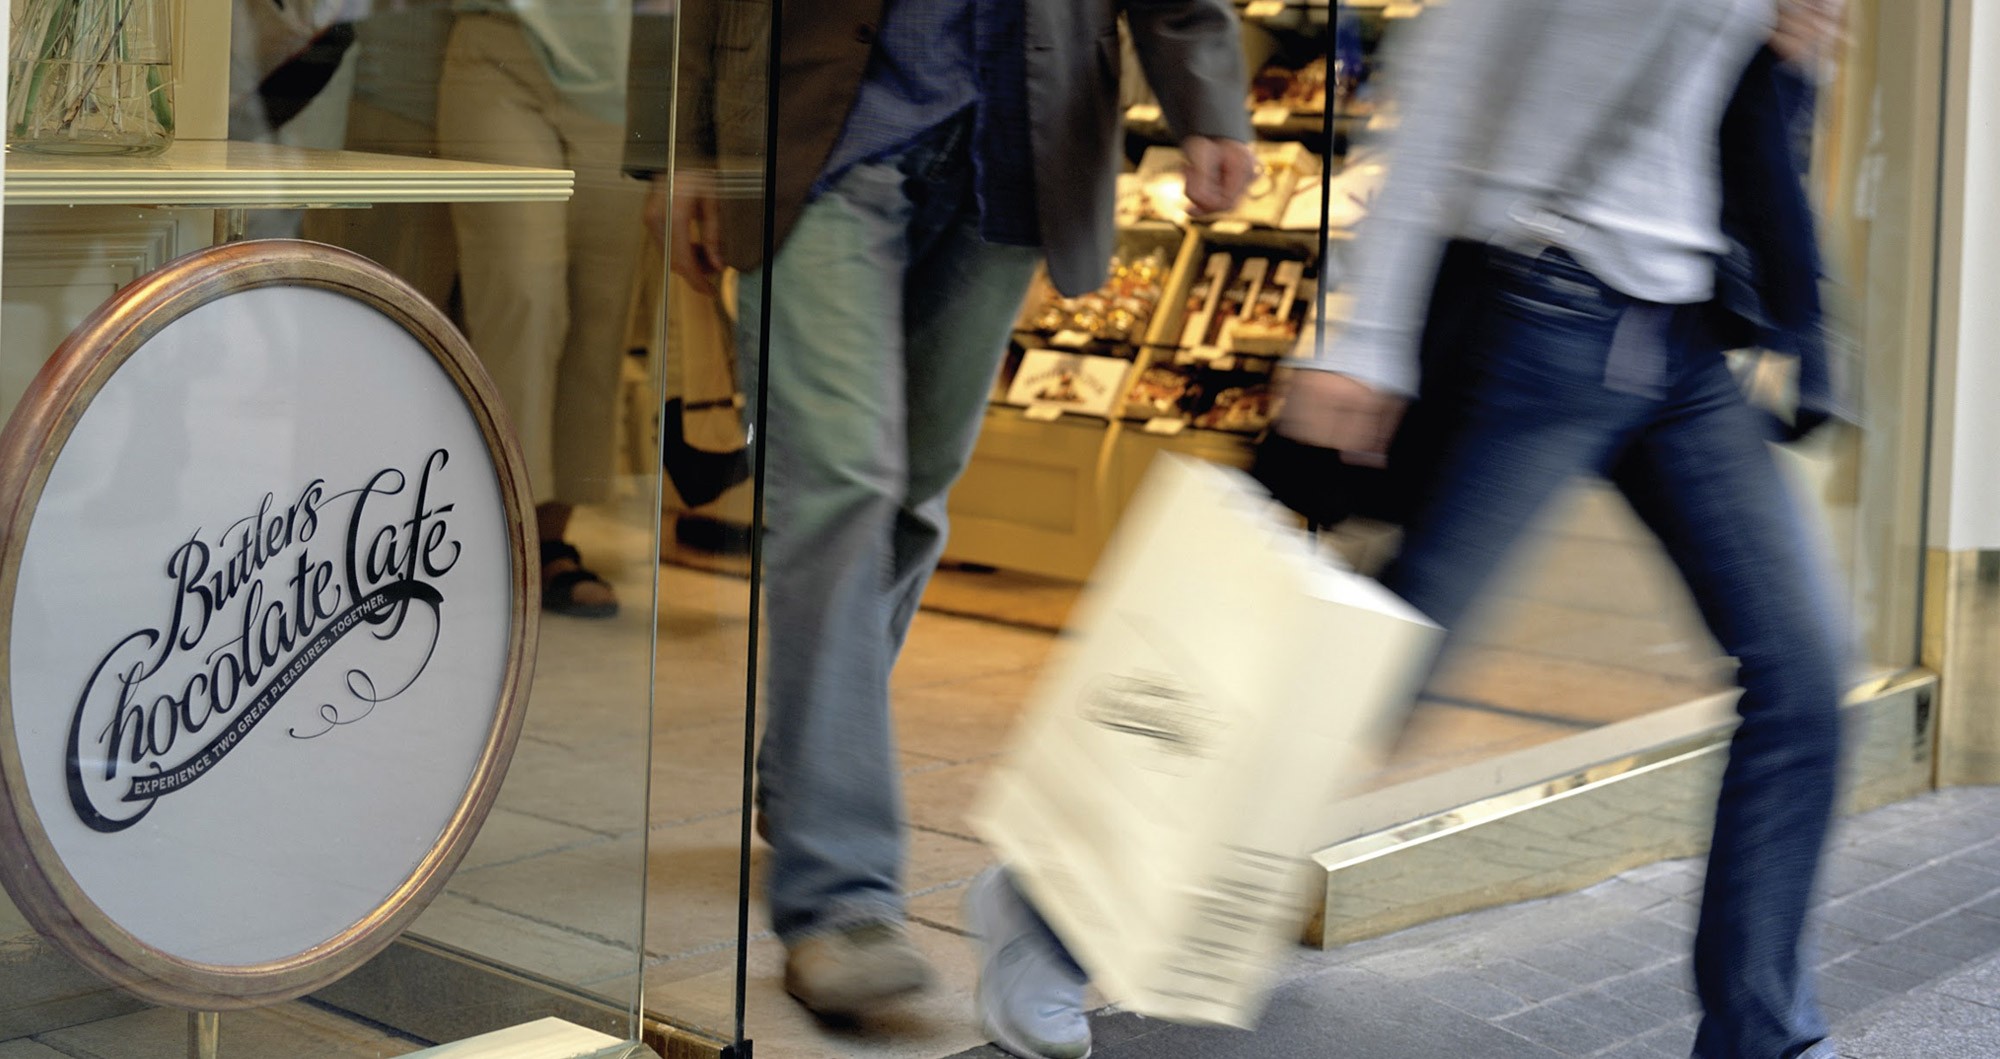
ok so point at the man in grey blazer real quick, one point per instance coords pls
(929, 154)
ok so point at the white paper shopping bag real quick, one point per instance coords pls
(1223, 681)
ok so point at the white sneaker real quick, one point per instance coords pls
(1030, 990)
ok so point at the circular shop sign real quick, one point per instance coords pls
(267, 610)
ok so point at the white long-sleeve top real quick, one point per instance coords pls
(1502, 99)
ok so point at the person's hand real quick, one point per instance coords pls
(691, 226)
(1335, 411)
(1807, 29)
(1218, 171)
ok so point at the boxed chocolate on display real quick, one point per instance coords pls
(1198, 313)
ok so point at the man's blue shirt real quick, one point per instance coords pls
(933, 61)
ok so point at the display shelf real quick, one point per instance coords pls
(1043, 498)
(1043, 495)
(1031, 498)
(225, 174)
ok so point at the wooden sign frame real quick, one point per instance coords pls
(33, 873)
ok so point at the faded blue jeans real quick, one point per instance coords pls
(889, 318)
(1551, 396)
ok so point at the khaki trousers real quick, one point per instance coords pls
(412, 239)
(547, 285)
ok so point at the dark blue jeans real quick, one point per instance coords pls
(1550, 395)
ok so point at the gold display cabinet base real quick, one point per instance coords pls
(1961, 631)
(677, 1042)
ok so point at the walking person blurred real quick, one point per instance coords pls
(930, 153)
(1565, 162)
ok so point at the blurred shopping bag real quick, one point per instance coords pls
(1223, 682)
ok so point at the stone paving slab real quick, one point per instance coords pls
(1909, 958)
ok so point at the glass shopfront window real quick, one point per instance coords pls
(1588, 649)
(1590, 625)
(518, 170)
(476, 154)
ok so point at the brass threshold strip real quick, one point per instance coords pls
(1568, 814)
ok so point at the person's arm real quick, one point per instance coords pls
(1192, 53)
(1453, 76)
(694, 96)
(673, 102)
(650, 95)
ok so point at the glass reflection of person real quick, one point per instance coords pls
(547, 285)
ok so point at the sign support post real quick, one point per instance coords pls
(204, 1034)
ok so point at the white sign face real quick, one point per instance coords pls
(261, 627)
